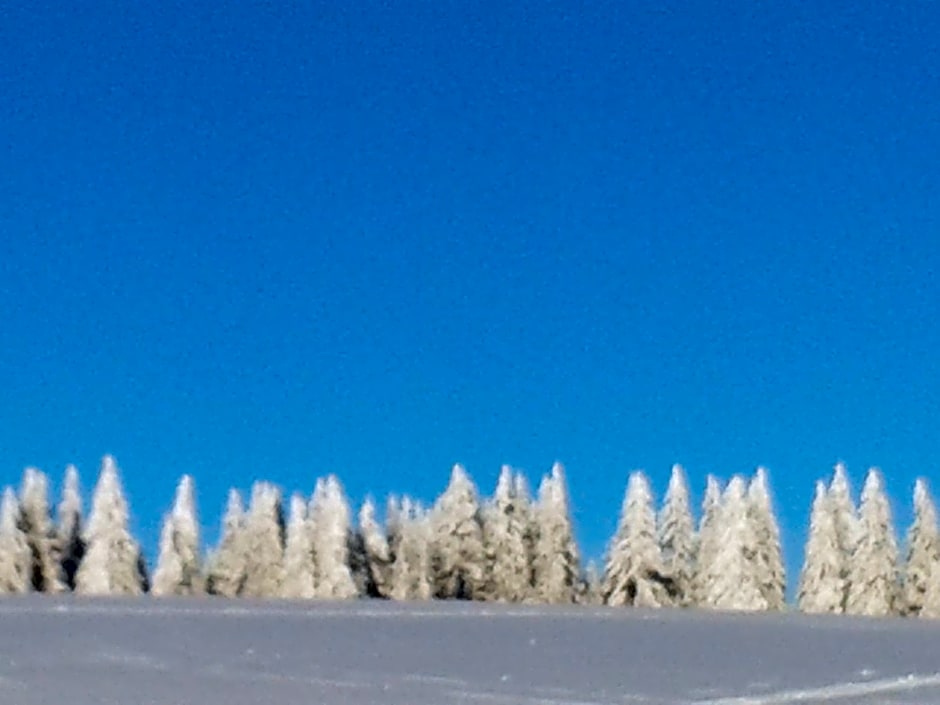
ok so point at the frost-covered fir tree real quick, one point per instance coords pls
(298, 583)
(264, 542)
(15, 558)
(873, 577)
(505, 529)
(457, 556)
(769, 559)
(69, 546)
(377, 556)
(225, 574)
(633, 573)
(923, 550)
(179, 569)
(706, 541)
(845, 519)
(822, 585)
(676, 533)
(410, 535)
(556, 561)
(35, 520)
(330, 518)
(112, 564)
(733, 582)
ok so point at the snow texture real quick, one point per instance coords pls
(922, 567)
(505, 539)
(822, 585)
(179, 564)
(769, 559)
(676, 534)
(218, 652)
(556, 560)
(264, 543)
(707, 541)
(458, 560)
(15, 556)
(874, 588)
(69, 546)
(331, 535)
(845, 518)
(35, 521)
(226, 565)
(299, 567)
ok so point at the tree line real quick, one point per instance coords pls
(509, 547)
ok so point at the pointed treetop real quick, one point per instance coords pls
(298, 509)
(921, 491)
(873, 483)
(677, 481)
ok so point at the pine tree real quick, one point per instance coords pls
(822, 586)
(505, 526)
(676, 533)
(923, 551)
(376, 552)
(227, 565)
(178, 566)
(873, 578)
(633, 574)
(457, 555)
(769, 559)
(845, 518)
(733, 582)
(331, 538)
(112, 564)
(69, 546)
(707, 541)
(410, 544)
(556, 563)
(264, 542)
(35, 520)
(15, 556)
(299, 567)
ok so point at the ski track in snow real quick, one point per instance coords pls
(219, 652)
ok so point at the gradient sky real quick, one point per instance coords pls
(375, 239)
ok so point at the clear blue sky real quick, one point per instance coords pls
(295, 238)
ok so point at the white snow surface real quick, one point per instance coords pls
(214, 651)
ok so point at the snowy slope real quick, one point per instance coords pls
(217, 652)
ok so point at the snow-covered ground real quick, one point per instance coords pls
(217, 652)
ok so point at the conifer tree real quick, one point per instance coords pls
(112, 564)
(707, 541)
(35, 520)
(845, 518)
(873, 577)
(457, 556)
(227, 565)
(769, 557)
(505, 526)
(15, 557)
(923, 550)
(376, 552)
(633, 574)
(676, 532)
(411, 532)
(733, 582)
(179, 571)
(69, 546)
(331, 538)
(556, 563)
(264, 542)
(822, 586)
(299, 578)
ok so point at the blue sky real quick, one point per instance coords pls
(378, 239)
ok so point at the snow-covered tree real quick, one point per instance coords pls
(329, 512)
(179, 570)
(410, 536)
(457, 556)
(707, 541)
(845, 519)
(35, 520)
(676, 531)
(376, 554)
(769, 559)
(733, 580)
(633, 573)
(264, 542)
(822, 585)
(112, 564)
(505, 529)
(69, 546)
(873, 578)
(227, 564)
(556, 561)
(923, 551)
(15, 557)
(299, 568)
